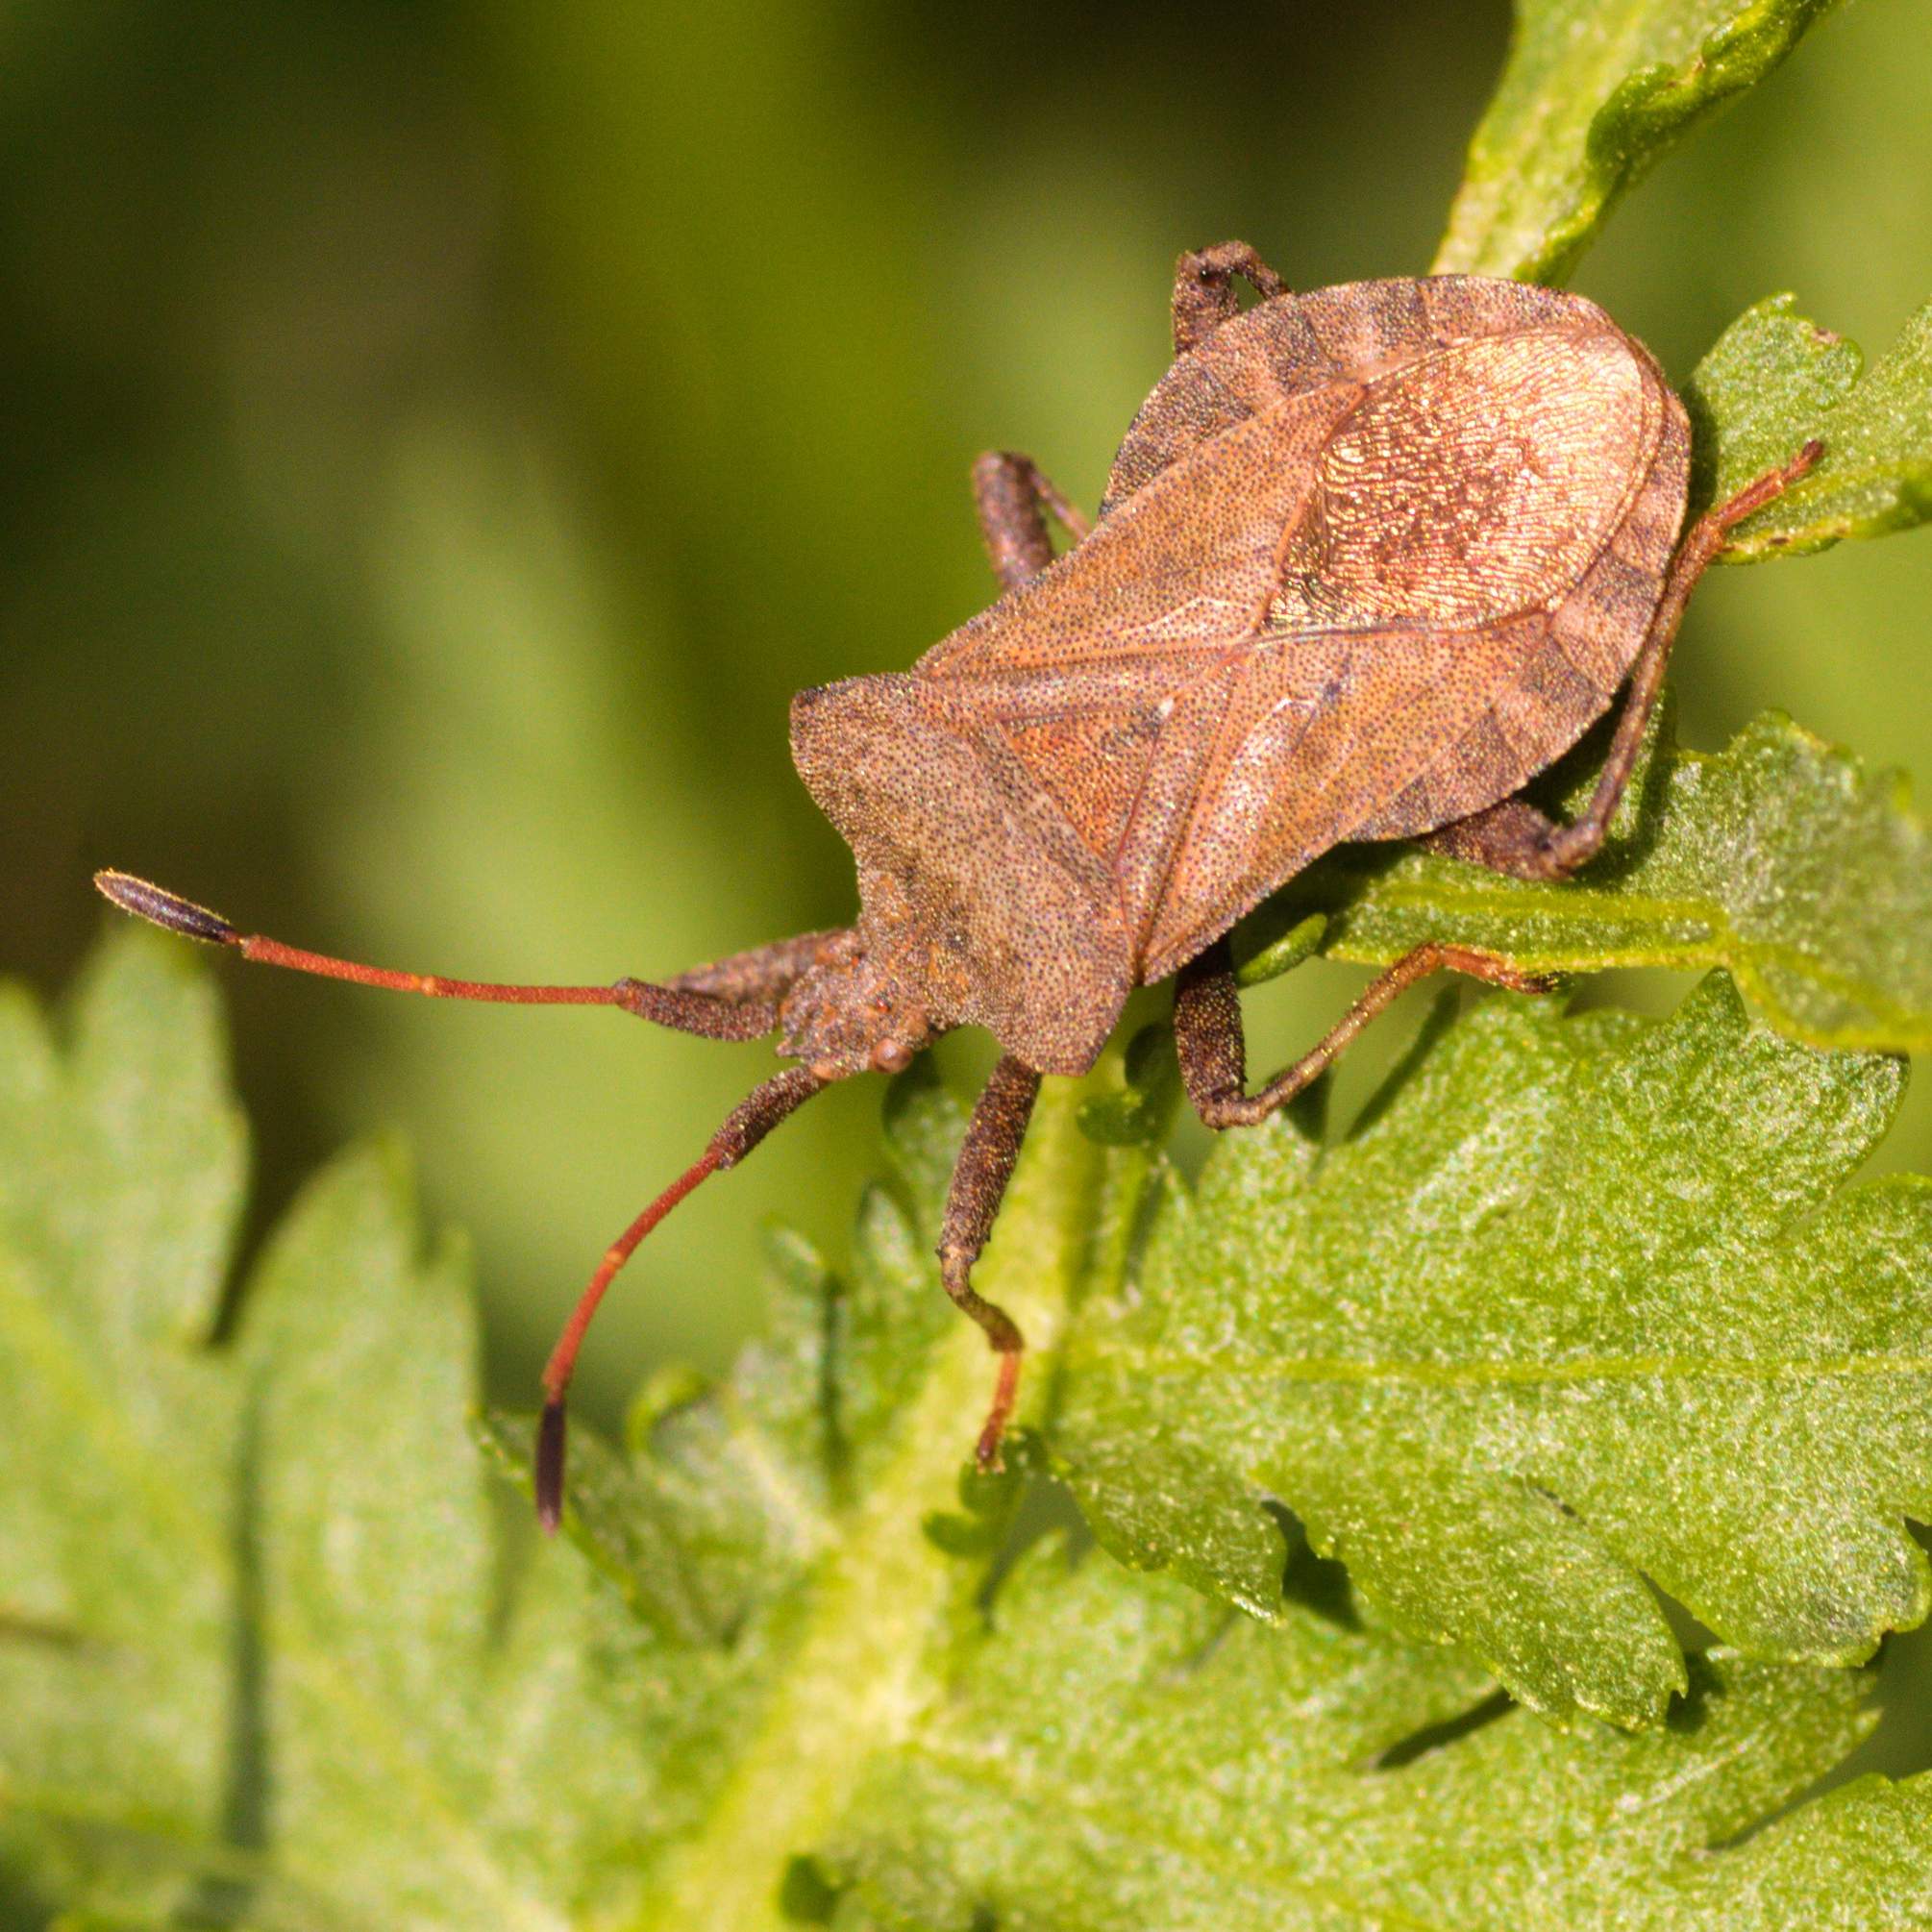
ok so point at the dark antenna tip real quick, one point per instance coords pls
(166, 910)
(550, 1468)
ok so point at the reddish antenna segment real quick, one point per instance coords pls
(176, 914)
(562, 1363)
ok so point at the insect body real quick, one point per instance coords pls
(1369, 560)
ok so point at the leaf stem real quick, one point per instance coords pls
(866, 1651)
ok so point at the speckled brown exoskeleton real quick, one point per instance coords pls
(1369, 560)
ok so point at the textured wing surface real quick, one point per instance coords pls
(1103, 676)
(1370, 559)
(1479, 556)
(1352, 333)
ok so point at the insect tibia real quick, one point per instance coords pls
(165, 908)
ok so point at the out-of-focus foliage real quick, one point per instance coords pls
(1595, 93)
(264, 1664)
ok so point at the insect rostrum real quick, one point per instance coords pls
(1369, 560)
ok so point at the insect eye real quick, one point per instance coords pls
(892, 1056)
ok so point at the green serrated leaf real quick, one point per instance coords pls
(1592, 94)
(886, 1400)
(255, 1667)
(1585, 1303)
(1773, 379)
(1765, 383)
(119, 1181)
(1119, 1755)
(261, 1663)
(1778, 859)
(256, 1659)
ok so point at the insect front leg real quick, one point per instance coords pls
(1203, 289)
(985, 1166)
(1514, 837)
(1013, 496)
(1213, 1050)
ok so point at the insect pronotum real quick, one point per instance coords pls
(1369, 560)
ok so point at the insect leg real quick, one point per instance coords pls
(985, 1166)
(1208, 1038)
(1510, 838)
(1013, 497)
(1565, 848)
(1203, 289)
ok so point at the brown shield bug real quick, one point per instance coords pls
(1370, 559)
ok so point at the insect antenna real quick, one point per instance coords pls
(176, 914)
(562, 1363)
(744, 1128)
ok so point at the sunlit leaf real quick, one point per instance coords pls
(1762, 389)
(1116, 1755)
(1585, 1303)
(1773, 379)
(253, 1665)
(261, 1658)
(266, 1665)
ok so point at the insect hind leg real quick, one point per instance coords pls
(1512, 838)
(1212, 1047)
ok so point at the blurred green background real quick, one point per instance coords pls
(444, 438)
